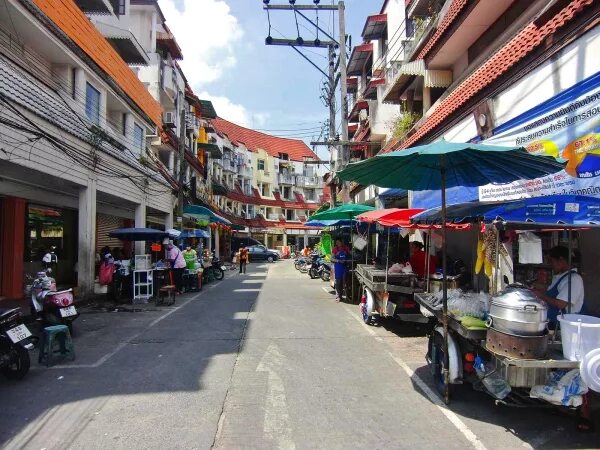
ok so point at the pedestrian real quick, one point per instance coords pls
(175, 257)
(243, 259)
(339, 256)
(190, 256)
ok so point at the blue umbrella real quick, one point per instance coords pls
(194, 234)
(138, 234)
(445, 164)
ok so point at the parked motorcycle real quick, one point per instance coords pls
(15, 343)
(315, 265)
(217, 270)
(52, 306)
(325, 271)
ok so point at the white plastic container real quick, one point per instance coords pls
(580, 334)
(142, 262)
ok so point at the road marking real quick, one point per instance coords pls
(433, 397)
(247, 290)
(120, 347)
(277, 420)
(327, 291)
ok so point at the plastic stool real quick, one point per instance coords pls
(170, 291)
(56, 334)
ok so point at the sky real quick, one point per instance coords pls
(268, 88)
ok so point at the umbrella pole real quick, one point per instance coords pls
(367, 251)
(570, 267)
(387, 258)
(445, 287)
(352, 256)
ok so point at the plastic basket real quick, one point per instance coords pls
(579, 335)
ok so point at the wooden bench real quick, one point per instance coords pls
(169, 291)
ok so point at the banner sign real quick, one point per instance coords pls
(567, 126)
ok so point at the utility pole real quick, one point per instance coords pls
(331, 103)
(341, 154)
(344, 149)
(182, 126)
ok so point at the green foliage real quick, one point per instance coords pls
(403, 124)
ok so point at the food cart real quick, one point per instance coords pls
(386, 294)
(525, 362)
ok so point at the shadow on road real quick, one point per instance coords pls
(130, 354)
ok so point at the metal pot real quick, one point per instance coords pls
(436, 283)
(518, 311)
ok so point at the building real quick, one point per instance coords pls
(265, 184)
(74, 125)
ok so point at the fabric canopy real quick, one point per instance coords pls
(346, 211)
(139, 234)
(185, 234)
(391, 217)
(203, 213)
(374, 216)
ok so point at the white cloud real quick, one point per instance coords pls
(235, 112)
(207, 33)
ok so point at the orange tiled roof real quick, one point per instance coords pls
(522, 44)
(254, 140)
(455, 8)
(75, 24)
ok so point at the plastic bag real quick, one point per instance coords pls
(105, 274)
(493, 382)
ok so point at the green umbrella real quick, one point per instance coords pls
(445, 164)
(346, 211)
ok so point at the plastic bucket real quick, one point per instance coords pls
(580, 334)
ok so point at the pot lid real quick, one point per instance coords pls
(515, 297)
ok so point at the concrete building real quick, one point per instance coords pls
(74, 125)
(264, 184)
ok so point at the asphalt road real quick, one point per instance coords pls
(262, 360)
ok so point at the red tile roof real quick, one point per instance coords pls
(255, 140)
(455, 8)
(525, 42)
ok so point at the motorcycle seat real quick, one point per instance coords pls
(62, 292)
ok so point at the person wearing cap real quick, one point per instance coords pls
(175, 257)
(557, 295)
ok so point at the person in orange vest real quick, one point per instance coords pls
(243, 259)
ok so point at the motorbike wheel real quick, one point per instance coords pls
(303, 268)
(218, 273)
(19, 365)
(313, 273)
(325, 276)
(69, 324)
(297, 265)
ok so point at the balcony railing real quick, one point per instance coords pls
(284, 178)
(245, 172)
(303, 181)
(229, 163)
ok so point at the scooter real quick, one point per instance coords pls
(216, 269)
(15, 343)
(315, 266)
(50, 305)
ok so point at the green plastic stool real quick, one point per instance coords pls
(56, 334)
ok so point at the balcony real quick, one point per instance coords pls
(307, 182)
(400, 75)
(168, 81)
(361, 54)
(192, 123)
(229, 163)
(285, 178)
(245, 172)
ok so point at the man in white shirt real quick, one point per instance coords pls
(557, 295)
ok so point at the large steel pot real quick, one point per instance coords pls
(518, 311)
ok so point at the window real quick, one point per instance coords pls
(265, 190)
(309, 194)
(261, 164)
(74, 83)
(138, 137)
(92, 103)
(118, 7)
(124, 124)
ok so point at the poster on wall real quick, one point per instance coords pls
(566, 126)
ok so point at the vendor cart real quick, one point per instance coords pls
(388, 296)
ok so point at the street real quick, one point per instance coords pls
(261, 360)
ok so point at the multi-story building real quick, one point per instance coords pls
(74, 124)
(265, 184)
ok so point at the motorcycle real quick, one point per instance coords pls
(216, 270)
(315, 265)
(325, 271)
(15, 343)
(52, 306)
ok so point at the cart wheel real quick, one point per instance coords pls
(436, 356)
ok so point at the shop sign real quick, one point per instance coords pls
(567, 126)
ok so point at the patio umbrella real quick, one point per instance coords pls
(445, 164)
(173, 233)
(139, 234)
(346, 211)
(197, 233)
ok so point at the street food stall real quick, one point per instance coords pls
(387, 291)
(501, 340)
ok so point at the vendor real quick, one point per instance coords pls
(557, 295)
(339, 257)
(418, 259)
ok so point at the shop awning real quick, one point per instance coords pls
(139, 234)
(167, 41)
(360, 104)
(207, 110)
(202, 213)
(352, 85)
(371, 90)
(359, 57)
(375, 27)
(408, 70)
(212, 150)
(125, 43)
